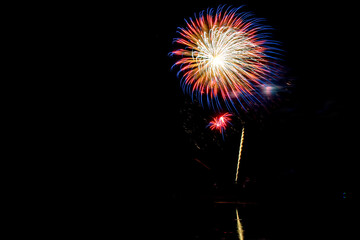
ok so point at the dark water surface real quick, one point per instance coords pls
(272, 218)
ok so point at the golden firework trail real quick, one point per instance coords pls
(239, 157)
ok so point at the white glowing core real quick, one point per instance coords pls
(217, 61)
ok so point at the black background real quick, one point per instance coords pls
(300, 156)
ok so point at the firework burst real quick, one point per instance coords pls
(225, 58)
(220, 123)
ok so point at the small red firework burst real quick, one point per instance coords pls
(220, 122)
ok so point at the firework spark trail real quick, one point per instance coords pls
(239, 226)
(225, 57)
(240, 150)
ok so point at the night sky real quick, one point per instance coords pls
(299, 157)
(306, 135)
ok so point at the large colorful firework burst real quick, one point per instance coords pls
(226, 57)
